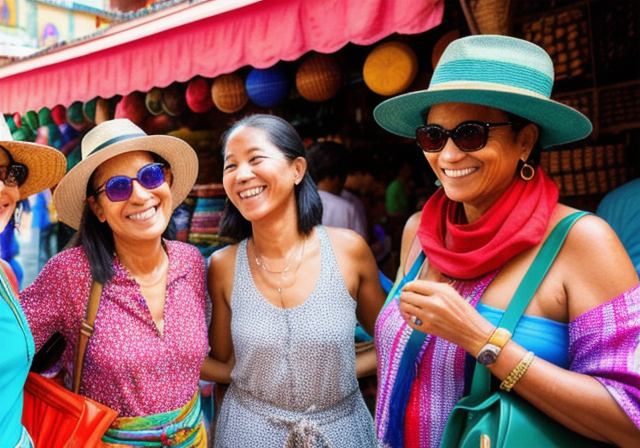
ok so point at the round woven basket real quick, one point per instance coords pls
(491, 16)
(390, 68)
(229, 93)
(318, 78)
(153, 101)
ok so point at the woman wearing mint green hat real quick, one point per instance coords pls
(574, 354)
(25, 168)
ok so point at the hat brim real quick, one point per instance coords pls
(558, 123)
(46, 165)
(70, 195)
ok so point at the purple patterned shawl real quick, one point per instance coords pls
(604, 343)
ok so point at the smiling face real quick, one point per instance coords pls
(258, 178)
(478, 179)
(9, 196)
(142, 217)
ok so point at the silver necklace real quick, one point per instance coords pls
(260, 262)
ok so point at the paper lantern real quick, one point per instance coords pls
(173, 101)
(390, 68)
(30, 119)
(153, 101)
(198, 96)
(229, 93)
(59, 114)
(267, 87)
(318, 78)
(132, 106)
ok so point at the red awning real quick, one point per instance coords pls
(208, 39)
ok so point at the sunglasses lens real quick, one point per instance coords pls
(151, 176)
(431, 138)
(470, 136)
(118, 188)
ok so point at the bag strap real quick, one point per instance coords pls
(86, 331)
(411, 275)
(481, 383)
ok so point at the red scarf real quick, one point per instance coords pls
(515, 223)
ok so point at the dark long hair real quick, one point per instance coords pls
(97, 237)
(284, 136)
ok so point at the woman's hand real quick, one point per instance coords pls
(439, 310)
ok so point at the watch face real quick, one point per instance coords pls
(488, 354)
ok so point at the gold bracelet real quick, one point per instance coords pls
(517, 372)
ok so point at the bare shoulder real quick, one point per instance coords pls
(346, 241)
(222, 262)
(595, 265)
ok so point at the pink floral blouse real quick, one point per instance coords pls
(129, 365)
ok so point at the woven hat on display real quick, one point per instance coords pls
(110, 139)
(89, 110)
(76, 118)
(503, 72)
(173, 101)
(319, 77)
(229, 93)
(153, 101)
(45, 165)
(132, 106)
(198, 96)
(44, 116)
(390, 68)
(31, 119)
(267, 87)
(59, 114)
(103, 111)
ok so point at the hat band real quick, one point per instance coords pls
(116, 140)
(518, 76)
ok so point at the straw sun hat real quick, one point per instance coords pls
(46, 165)
(507, 73)
(112, 138)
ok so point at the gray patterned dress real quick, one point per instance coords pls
(295, 368)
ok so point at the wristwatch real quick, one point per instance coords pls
(489, 353)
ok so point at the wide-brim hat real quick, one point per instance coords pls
(110, 139)
(46, 165)
(503, 72)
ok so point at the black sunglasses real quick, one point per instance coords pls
(13, 175)
(119, 188)
(469, 136)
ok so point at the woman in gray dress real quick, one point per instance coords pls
(285, 301)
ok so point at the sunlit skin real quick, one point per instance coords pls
(477, 179)
(145, 215)
(9, 196)
(258, 177)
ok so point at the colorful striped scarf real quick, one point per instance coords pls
(182, 428)
(415, 357)
(603, 342)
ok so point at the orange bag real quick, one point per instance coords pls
(55, 417)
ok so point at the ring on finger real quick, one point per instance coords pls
(415, 321)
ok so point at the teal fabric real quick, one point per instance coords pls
(548, 339)
(17, 354)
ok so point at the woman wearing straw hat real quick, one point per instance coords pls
(482, 123)
(150, 337)
(25, 169)
(285, 301)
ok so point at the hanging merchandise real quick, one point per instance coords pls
(153, 101)
(198, 95)
(267, 87)
(76, 118)
(59, 114)
(390, 68)
(229, 93)
(132, 106)
(173, 101)
(319, 77)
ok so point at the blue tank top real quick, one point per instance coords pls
(548, 339)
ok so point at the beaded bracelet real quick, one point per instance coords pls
(517, 372)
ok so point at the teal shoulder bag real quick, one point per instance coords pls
(503, 419)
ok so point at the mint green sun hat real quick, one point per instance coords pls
(503, 72)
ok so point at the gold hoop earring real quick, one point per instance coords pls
(527, 172)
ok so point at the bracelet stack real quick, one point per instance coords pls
(517, 372)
